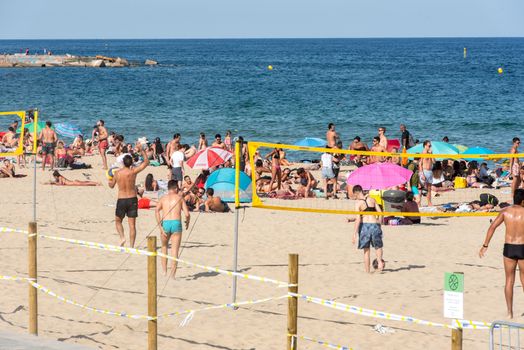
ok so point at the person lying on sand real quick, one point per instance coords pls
(60, 180)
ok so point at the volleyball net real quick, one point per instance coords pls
(327, 180)
(12, 137)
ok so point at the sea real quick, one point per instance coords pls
(212, 86)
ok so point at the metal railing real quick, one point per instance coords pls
(513, 343)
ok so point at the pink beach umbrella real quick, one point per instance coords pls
(208, 158)
(379, 176)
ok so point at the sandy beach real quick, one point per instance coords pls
(330, 267)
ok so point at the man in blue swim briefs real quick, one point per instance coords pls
(168, 216)
(513, 218)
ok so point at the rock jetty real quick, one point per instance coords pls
(22, 60)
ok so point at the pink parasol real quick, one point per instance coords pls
(379, 176)
(208, 158)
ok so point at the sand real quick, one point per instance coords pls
(330, 267)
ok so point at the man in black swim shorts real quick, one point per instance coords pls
(513, 219)
(127, 203)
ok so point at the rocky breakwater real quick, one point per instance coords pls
(21, 60)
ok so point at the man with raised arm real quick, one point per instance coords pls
(127, 203)
(513, 219)
(170, 222)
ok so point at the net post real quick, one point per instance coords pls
(237, 213)
(456, 339)
(151, 294)
(32, 273)
(292, 303)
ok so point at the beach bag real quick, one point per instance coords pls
(460, 182)
(488, 198)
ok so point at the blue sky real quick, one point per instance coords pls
(63, 19)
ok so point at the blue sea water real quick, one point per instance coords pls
(215, 85)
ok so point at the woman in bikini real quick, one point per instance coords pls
(59, 180)
(276, 170)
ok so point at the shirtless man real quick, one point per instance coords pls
(127, 203)
(514, 165)
(331, 136)
(382, 137)
(513, 219)
(377, 147)
(426, 169)
(171, 207)
(9, 139)
(218, 142)
(214, 204)
(103, 143)
(48, 138)
(367, 228)
(8, 169)
(307, 182)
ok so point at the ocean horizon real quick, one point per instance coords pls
(214, 85)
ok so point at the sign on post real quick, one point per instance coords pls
(454, 295)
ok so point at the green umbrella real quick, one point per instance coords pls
(31, 126)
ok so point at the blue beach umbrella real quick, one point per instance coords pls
(437, 147)
(222, 181)
(311, 142)
(67, 130)
(477, 150)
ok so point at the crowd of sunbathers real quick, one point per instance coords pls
(275, 175)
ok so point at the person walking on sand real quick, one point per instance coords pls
(367, 228)
(331, 136)
(103, 143)
(426, 169)
(514, 165)
(168, 216)
(513, 219)
(127, 203)
(48, 138)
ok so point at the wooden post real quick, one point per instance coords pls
(151, 294)
(456, 339)
(32, 273)
(292, 303)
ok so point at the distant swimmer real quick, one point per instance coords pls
(513, 219)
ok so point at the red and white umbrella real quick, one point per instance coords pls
(208, 158)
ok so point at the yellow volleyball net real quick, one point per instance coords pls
(323, 180)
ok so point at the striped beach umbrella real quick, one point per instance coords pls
(208, 158)
(67, 130)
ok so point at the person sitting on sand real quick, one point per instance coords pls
(214, 203)
(168, 215)
(218, 142)
(472, 177)
(307, 183)
(59, 180)
(7, 169)
(78, 146)
(9, 140)
(513, 219)
(145, 202)
(358, 145)
(367, 228)
(438, 182)
(409, 206)
(260, 169)
(150, 183)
